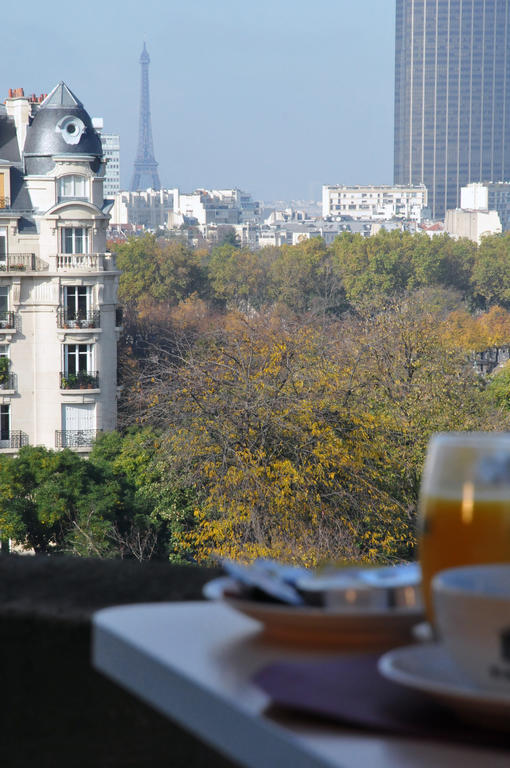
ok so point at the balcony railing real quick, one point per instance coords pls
(6, 319)
(16, 439)
(7, 381)
(86, 262)
(69, 319)
(80, 380)
(21, 262)
(75, 438)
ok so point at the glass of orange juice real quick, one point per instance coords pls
(464, 503)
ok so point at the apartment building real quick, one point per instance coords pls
(59, 319)
(111, 154)
(214, 206)
(374, 202)
(148, 208)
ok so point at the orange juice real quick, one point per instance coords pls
(462, 532)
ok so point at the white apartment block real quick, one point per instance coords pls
(146, 209)
(58, 286)
(374, 202)
(214, 206)
(488, 196)
(472, 224)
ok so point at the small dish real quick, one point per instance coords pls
(428, 668)
(374, 629)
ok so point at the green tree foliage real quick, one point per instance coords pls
(241, 278)
(55, 501)
(390, 263)
(155, 271)
(491, 271)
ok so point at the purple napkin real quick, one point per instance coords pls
(351, 691)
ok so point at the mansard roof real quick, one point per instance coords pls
(61, 126)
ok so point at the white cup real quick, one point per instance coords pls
(472, 610)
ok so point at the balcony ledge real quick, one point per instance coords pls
(80, 391)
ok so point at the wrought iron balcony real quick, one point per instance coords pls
(68, 319)
(7, 320)
(75, 438)
(80, 380)
(21, 262)
(7, 381)
(16, 439)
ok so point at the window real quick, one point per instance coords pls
(77, 358)
(5, 423)
(73, 186)
(75, 240)
(4, 300)
(76, 301)
(79, 417)
(3, 247)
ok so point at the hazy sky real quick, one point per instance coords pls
(274, 96)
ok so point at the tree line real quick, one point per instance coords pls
(275, 403)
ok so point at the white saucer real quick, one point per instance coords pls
(429, 669)
(362, 629)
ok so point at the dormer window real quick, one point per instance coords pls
(73, 187)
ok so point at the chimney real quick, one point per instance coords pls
(18, 107)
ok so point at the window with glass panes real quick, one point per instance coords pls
(75, 240)
(3, 245)
(76, 301)
(4, 301)
(77, 358)
(73, 186)
(5, 422)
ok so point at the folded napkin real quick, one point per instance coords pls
(351, 691)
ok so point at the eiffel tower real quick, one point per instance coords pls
(145, 173)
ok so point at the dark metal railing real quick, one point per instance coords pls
(6, 319)
(16, 439)
(20, 262)
(7, 381)
(119, 316)
(75, 438)
(80, 380)
(69, 319)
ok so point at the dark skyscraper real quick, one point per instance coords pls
(145, 172)
(452, 96)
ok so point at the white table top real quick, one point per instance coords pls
(193, 663)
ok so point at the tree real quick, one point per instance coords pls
(54, 501)
(154, 272)
(491, 271)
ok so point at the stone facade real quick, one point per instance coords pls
(58, 285)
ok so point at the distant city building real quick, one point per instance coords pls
(452, 96)
(488, 196)
(374, 202)
(148, 209)
(472, 224)
(213, 206)
(111, 153)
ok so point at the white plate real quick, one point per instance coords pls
(361, 629)
(429, 669)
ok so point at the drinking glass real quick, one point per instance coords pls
(464, 508)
